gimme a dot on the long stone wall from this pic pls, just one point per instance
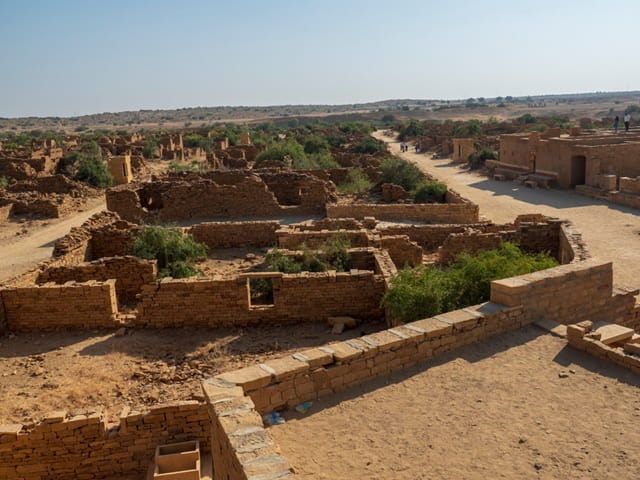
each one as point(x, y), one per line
point(59, 307)
point(426, 213)
point(236, 234)
point(305, 297)
point(84, 447)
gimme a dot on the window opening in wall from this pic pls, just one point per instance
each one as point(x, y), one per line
point(260, 292)
point(124, 170)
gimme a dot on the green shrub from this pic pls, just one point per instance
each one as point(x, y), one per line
point(480, 155)
point(91, 169)
point(632, 109)
point(472, 128)
point(316, 144)
point(279, 151)
point(323, 160)
point(430, 191)
point(4, 181)
point(194, 140)
point(331, 255)
point(527, 118)
point(176, 253)
point(357, 183)
point(369, 145)
point(150, 148)
point(423, 292)
point(401, 172)
point(412, 130)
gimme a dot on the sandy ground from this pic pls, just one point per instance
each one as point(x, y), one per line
point(24, 242)
point(611, 232)
point(40, 373)
point(497, 409)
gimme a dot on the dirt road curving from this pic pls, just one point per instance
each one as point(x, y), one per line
point(612, 232)
point(22, 245)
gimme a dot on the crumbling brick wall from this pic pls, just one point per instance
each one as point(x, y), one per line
point(293, 239)
point(130, 273)
point(87, 305)
point(305, 297)
point(236, 234)
point(84, 447)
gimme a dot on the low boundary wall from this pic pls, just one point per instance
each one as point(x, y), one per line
point(426, 213)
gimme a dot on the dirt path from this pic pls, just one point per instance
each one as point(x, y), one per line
point(22, 245)
point(497, 409)
point(611, 232)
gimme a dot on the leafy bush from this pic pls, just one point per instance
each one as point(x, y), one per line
point(316, 145)
point(423, 292)
point(403, 173)
point(369, 145)
point(414, 129)
point(331, 255)
point(279, 151)
point(91, 169)
point(472, 128)
point(357, 183)
point(176, 253)
point(480, 155)
point(322, 160)
point(526, 118)
point(430, 192)
point(356, 127)
point(150, 148)
point(198, 141)
point(632, 109)
point(4, 181)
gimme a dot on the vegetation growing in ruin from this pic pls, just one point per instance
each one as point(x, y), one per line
point(175, 252)
point(289, 149)
point(91, 169)
point(412, 130)
point(423, 292)
point(193, 166)
point(472, 128)
point(403, 173)
point(195, 140)
point(357, 183)
point(4, 181)
point(369, 145)
point(331, 255)
point(480, 155)
point(430, 191)
point(150, 148)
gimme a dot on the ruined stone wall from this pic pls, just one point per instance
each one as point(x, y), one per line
point(318, 372)
point(306, 191)
point(402, 250)
point(568, 294)
point(630, 185)
point(236, 234)
point(48, 307)
point(427, 213)
point(305, 297)
point(130, 273)
point(627, 357)
point(84, 447)
point(292, 239)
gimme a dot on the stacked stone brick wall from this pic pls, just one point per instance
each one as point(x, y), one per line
point(630, 185)
point(402, 250)
point(330, 224)
point(471, 242)
point(236, 234)
point(130, 273)
point(292, 239)
point(426, 213)
point(305, 297)
point(48, 307)
point(308, 375)
point(627, 356)
point(114, 240)
point(429, 237)
point(84, 447)
point(568, 293)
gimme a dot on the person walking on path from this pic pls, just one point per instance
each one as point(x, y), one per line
point(616, 122)
point(627, 121)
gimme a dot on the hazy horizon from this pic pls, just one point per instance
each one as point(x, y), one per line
point(73, 58)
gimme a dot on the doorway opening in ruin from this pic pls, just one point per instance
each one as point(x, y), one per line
point(150, 200)
point(578, 170)
point(260, 292)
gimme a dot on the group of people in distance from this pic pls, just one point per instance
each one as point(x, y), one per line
point(627, 122)
point(404, 147)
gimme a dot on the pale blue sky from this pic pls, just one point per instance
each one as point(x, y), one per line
point(71, 57)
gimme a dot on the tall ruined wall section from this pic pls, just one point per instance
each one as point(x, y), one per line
point(306, 297)
point(426, 213)
point(130, 273)
point(84, 447)
point(236, 234)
